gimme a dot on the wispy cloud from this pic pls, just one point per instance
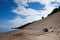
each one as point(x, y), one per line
point(32, 15)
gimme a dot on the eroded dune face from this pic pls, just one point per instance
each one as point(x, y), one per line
point(35, 31)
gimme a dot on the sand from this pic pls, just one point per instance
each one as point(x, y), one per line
point(35, 31)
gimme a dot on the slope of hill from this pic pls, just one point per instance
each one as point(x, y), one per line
point(51, 21)
point(35, 31)
point(53, 12)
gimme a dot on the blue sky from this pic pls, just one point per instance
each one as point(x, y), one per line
point(35, 6)
point(6, 8)
point(15, 13)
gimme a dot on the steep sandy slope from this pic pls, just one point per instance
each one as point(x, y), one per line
point(34, 30)
point(51, 21)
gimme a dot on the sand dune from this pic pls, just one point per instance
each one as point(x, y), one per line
point(35, 31)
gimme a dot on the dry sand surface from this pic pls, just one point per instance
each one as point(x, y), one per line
point(30, 35)
point(35, 31)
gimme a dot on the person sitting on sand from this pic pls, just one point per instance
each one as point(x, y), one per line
point(51, 29)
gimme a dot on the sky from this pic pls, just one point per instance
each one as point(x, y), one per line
point(15, 13)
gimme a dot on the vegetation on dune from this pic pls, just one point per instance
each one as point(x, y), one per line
point(54, 11)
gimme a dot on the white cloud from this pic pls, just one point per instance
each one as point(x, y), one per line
point(18, 21)
point(32, 15)
point(58, 0)
point(22, 10)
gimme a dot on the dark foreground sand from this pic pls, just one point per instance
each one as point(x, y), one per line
point(30, 35)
